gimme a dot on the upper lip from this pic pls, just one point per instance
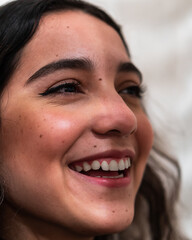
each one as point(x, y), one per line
point(113, 154)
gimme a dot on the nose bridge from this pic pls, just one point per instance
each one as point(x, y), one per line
point(114, 114)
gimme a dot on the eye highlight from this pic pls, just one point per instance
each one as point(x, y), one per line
point(134, 91)
point(65, 88)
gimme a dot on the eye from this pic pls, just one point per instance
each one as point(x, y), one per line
point(135, 91)
point(65, 88)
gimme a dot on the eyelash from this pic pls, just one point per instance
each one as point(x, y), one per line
point(135, 91)
point(74, 87)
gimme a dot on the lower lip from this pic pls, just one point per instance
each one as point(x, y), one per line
point(106, 182)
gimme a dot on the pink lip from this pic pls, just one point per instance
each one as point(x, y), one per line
point(114, 154)
point(105, 182)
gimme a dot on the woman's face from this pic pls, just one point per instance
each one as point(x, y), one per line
point(73, 103)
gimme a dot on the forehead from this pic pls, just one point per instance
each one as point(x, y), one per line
point(69, 20)
point(73, 32)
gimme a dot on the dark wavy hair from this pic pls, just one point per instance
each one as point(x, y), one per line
point(155, 201)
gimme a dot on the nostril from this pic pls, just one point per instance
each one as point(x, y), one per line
point(109, 133)
point(114, 131)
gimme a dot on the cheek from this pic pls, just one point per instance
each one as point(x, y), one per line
point(144, 136)
point(33, 146)
point(39, 133)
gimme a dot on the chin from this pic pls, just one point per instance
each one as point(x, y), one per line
point(111, 223)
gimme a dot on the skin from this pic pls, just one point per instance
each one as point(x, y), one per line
point(42, 135)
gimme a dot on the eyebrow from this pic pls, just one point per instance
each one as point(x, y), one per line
point(76, 63)
point(130, 67)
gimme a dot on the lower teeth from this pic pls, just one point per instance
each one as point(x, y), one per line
point(119, 176)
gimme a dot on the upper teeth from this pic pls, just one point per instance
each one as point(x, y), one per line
point(112, 165)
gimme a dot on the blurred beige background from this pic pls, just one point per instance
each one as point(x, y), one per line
point(159, 33)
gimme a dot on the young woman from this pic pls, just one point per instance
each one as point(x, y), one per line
point(75, 139)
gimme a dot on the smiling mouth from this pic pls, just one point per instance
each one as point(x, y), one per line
point(107, 168)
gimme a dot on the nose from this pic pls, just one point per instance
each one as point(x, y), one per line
point(113, 116)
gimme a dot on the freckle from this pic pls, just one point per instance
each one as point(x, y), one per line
point(56, 55)
point(95, 146)
point(22, 131)
point(67, 26)
point(100, 79)
point(126, 210)
point(40, 135)
point(63, 141)
point(19, 117)
point(113, 211)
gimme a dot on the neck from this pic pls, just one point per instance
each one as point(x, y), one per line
point(16, 225)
